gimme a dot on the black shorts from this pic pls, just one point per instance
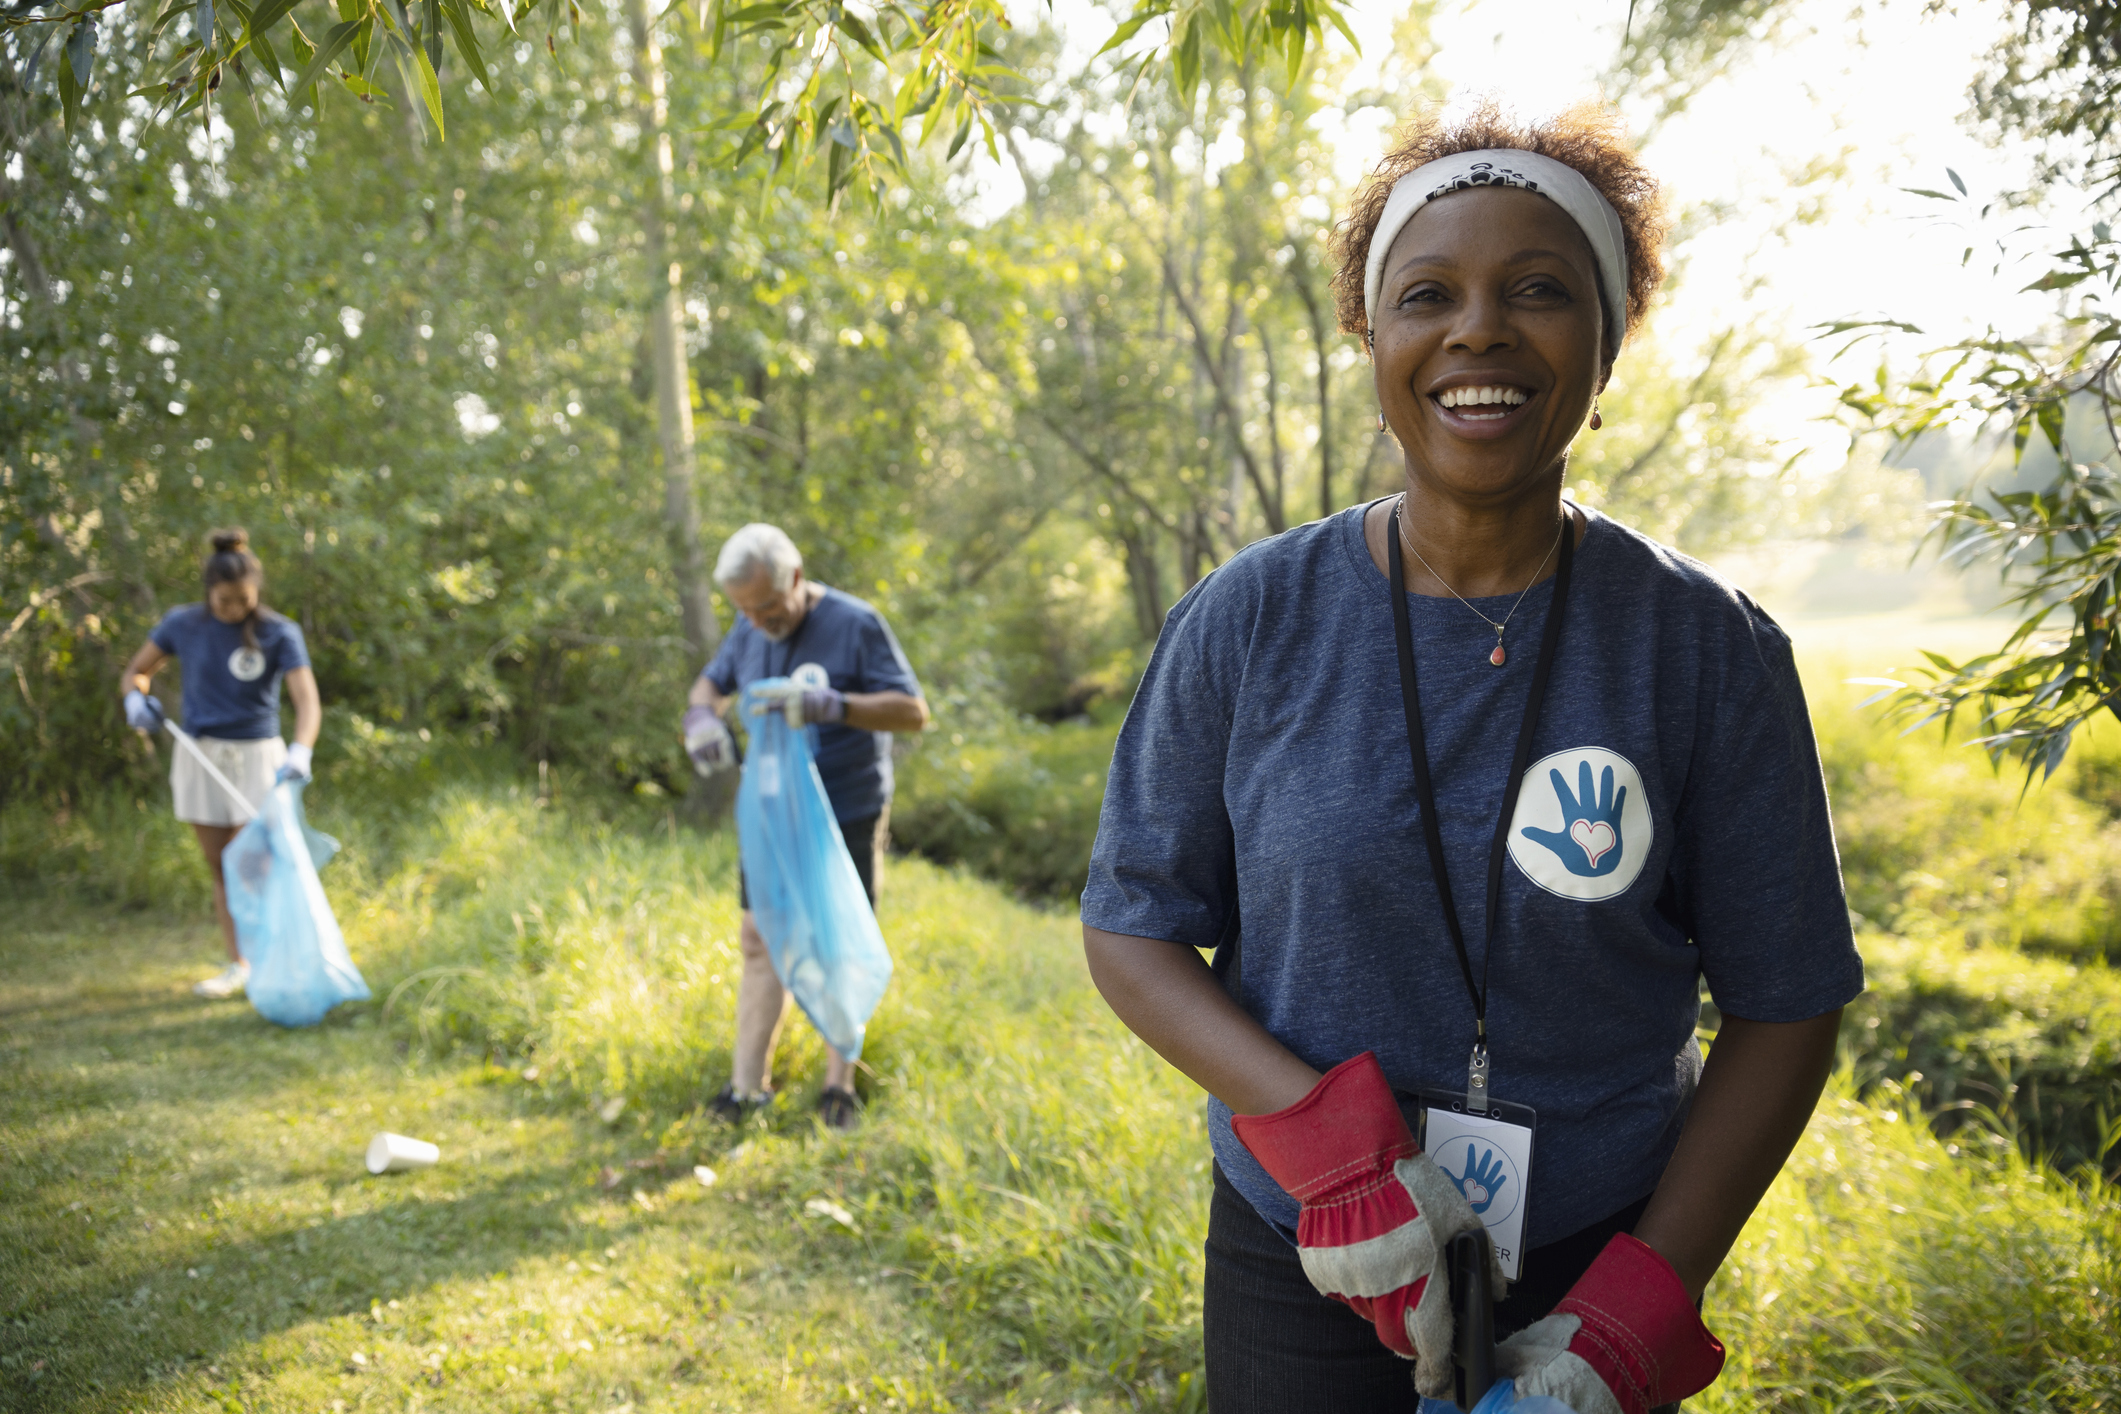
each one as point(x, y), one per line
point(866, 842)
point(1275, 1346)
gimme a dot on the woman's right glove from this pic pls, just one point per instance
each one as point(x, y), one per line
point(142, 713)
point(1626, 1338)
point(1377, 1214)
point(708, 742)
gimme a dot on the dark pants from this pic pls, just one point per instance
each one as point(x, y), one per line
point(866, 842)
point(1275, 1346)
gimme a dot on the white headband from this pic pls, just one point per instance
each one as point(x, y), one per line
point(1506, 167)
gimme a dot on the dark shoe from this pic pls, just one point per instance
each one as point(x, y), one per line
point(840, 1109)
point(730, 1106)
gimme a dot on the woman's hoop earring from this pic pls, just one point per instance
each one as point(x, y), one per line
point(1380, 419)
point(1596, 421)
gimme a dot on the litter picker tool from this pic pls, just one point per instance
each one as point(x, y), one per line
point(1472, 1318)
point(213, 772)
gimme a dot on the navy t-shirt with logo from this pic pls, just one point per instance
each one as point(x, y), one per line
point(1673, 826)
point(851, 642)
point(231, 691)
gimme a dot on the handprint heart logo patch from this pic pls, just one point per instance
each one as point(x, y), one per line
point(1595, 839)
point(1582, 827)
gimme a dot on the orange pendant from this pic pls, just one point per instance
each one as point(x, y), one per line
point(1498, 657)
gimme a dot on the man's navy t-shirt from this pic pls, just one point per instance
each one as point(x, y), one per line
point(1673, 825)
point(231, 691)
point(853, 644)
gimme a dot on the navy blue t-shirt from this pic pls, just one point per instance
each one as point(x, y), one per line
point(231, 691)
point(1673, 826)
point(852, 643)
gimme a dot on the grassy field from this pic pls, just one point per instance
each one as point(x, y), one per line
point(185, 1223)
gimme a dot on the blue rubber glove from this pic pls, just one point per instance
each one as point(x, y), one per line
point(708, 742)
point(804, 706)
point(296, 766)
point(143, 713)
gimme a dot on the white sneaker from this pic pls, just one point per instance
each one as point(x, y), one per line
point(225, 983)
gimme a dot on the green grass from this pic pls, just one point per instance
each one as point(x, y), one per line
point(185, 1224)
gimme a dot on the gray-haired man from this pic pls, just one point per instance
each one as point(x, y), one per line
point(788, 621)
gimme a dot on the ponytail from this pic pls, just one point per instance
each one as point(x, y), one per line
point(233, 563)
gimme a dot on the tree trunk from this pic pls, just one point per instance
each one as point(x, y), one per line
point(1144, 580)
point(666, 337)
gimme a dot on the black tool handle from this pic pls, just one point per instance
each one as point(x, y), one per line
point(1472, 1317)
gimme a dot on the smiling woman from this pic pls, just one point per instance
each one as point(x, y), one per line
point(1338, 742)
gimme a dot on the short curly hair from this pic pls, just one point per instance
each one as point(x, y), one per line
point(1589, 138)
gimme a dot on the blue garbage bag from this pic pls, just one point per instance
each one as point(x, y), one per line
point(1501, 1398)
point(299, 966)
point(805, 896)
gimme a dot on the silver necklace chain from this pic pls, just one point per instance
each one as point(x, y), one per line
point(1498, 627)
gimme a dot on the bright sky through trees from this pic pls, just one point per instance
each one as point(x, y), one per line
point(1882, 97)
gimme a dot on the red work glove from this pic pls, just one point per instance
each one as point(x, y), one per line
point(1626, 1339)
point(1377, 1214)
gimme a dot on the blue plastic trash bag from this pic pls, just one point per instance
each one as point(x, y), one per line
point(1501, 1398)
point(299, 966)
point(806, 897)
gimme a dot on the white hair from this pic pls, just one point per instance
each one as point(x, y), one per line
point(758, 546)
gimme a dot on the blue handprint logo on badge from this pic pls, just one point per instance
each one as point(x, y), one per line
point(1485, 1176)
point(1582, 827)
point(1482, 1179)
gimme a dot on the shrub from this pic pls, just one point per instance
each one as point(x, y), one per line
point(2034, 1042)
point(1018, 802)
point(1890, 1269)
point(1939, 847)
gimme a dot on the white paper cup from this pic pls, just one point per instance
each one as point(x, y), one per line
point(394, 1153)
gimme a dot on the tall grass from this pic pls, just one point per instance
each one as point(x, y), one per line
point(1034, 1181)
point(1889, 1269)
point(1940, 847)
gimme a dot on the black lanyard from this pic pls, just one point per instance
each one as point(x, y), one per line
point(794, 641)
point(1432, 830)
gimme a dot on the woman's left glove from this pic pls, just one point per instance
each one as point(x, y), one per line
point(296, 766)
point(1377, 1213)
point(1626, 1339)
point(143, 713)
point(803, 705)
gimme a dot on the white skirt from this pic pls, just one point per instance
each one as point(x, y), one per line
point(249, 766)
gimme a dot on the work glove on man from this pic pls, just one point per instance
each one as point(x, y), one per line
point(1626, 1339)
point(296, 766)
point(708, 742)
point(1377, 1213)
point(803, 705)
point(143, 713)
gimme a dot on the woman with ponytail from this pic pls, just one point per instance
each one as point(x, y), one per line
point(235, 653)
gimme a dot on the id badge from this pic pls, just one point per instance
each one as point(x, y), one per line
point(1489, 1157)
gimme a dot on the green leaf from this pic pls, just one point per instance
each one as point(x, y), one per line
point(964, 130)
point(431, 39)
point(335, 41)
point(2050, 415)
point(853, 25)
point(69, 97)
point(268, 14)
point(304, 52)
point(430, 85)
point(203, 20)
point(1130, 27)
point(2058, 280)
point(81, 52)
point(1955, 180)
point(1185, 63)
point(467, 40)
